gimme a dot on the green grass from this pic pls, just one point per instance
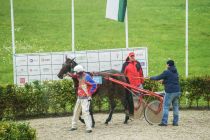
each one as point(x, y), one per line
point(45, 26)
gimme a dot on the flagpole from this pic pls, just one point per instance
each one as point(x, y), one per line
point(126, 27)
point(72, 24)
point(186, 38)
point(186, 46)
point(13, 40)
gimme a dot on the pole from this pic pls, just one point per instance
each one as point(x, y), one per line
point(186, 45)
point(186, 38)
point(72, 24)
point(13, 39)
point(126, 28)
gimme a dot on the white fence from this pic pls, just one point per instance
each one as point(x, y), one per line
point(45, 66)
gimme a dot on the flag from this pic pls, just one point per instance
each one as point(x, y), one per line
point(115, 9)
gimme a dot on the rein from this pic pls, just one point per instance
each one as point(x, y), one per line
point(107, 74)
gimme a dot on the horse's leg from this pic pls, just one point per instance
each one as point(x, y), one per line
point(81, 120)
point(126, 107)
point(129, 98)
point(113, 105)
point(126, 118)
point(127, 101)
point(91, 114)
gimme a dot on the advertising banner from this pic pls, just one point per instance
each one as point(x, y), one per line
point(46, 66)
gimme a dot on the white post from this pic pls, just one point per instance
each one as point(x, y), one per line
point(126, 28)
point(186, 38)
point(186, 45)
point(72, 24)
point(13, 40)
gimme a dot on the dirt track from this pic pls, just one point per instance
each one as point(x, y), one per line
point(194, 125)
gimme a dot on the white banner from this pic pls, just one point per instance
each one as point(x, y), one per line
point(57, 59)
point(116, 55)
point(33, 60)
point(33, 70)
point(46, 69)
point(21, 70)
point(33, 78)
point(21, 80)
point(21, 60)
point(105, 56)
point(45, 59)
point(46, 66)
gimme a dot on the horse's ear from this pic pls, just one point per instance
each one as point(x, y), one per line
point(66, 57)
point(73, 59)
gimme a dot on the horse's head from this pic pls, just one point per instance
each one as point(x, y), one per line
point(68, 66)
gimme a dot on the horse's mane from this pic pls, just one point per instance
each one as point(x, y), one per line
point(111, 71)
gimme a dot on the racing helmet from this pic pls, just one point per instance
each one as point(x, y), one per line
point(79, 69)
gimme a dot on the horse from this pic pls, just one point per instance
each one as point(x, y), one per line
point(106, 89)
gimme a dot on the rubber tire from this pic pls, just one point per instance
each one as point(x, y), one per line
point(150, 115)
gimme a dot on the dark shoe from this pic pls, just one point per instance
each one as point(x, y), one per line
point(88, 131)
point(162, 124)
point(131, 116)
point(175, 124)
point(72, 129)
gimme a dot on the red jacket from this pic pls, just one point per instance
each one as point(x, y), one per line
point(134, 72)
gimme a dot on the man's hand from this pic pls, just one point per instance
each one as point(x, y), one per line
point(147, 78)
point(89, 98)
point(160, 81)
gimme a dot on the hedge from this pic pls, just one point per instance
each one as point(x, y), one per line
point(16, 131)
point(58, 97)
point(196, 89)
point(36, 99)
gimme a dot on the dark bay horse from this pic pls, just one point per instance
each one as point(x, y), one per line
point(106, 89)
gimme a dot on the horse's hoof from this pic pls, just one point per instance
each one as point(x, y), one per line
point(82, 121)
point(106, 123)
point(131, 119)
point(125, 122)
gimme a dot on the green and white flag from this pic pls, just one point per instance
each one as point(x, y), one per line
point(115, 9)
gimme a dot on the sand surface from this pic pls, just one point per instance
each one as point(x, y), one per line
point(193, 125)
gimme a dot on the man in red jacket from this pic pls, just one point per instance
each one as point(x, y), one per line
point(133, 70)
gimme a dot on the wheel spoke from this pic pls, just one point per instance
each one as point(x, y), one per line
point(153, 112)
